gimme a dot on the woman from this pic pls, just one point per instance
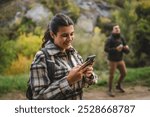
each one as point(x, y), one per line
point(68, 79)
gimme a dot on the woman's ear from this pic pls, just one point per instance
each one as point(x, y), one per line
point(52, 34)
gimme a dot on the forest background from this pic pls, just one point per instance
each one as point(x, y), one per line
point(23, 22)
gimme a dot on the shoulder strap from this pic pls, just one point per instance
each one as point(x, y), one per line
point(50, 65)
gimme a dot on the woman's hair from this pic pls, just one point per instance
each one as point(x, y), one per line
point(57, 21)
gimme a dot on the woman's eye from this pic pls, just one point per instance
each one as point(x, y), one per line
point(71, 34)
point(67, 35)
point(64, 35)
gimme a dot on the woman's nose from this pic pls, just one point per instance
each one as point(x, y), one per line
point(70, 37)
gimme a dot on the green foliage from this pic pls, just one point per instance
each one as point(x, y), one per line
point(134, 20)
point(19, 66)
point(8, 10)
point(73, 9)
point(142, 37)
point(142, 47)
point(126, 17)
point(53, 5)
point(67, 6)
point(10, 50)
point(142, 9)
point(7, 53)
point(87, 44)
point(104, 24)
point(26, 26)
point(138, 76)
point(11, 83)
point(135, 76)
point(17, 55)
point(132, 16)
point(102, 77)
point(28, 44)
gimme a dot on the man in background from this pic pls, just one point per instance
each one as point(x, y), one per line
point(115, 47)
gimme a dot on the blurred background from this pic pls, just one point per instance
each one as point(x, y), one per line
point(23, 22)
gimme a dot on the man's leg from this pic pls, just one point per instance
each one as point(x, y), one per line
point(112, 68)
point(122, 69)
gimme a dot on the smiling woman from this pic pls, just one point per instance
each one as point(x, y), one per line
point(68, 78)
point(64, 37)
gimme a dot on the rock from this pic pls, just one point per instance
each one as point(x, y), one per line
point(38, 13)
point(88, 16)
point(103, 9)
point(85, 23)
point(18, 18)
point(90, 12)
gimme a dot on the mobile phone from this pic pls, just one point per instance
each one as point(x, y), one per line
point(90, 59)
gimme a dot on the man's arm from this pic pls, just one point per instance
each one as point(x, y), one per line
point(125, 46)
point(107, 47)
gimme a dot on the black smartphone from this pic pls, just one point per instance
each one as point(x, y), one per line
point(90, 59)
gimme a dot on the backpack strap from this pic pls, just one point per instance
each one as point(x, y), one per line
point(50, 65)
point(50, 71)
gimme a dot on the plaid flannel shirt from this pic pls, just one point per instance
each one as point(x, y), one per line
point(59, 88)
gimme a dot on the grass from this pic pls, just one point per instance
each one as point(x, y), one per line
point(11, 83)
point(135, 76)
point(138, 76)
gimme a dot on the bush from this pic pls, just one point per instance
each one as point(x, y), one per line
point(87, 44)
point(12, 83)
point(19, 66)
point(28, 44)
point(26, 47)
point(7, 53)
point(68, 7)
point(73, 9)
point(134, 21)
point(142, 39)
point(138, 76)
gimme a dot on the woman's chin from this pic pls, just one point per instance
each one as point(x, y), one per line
point(67, 46)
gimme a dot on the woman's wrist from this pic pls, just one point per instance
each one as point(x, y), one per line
point(69, 80)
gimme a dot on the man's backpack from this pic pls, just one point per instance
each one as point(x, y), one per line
point(50, 70)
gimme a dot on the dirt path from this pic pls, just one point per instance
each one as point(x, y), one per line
point(132, 93)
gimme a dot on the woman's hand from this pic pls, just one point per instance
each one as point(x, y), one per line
point(76, 73)
point(89, 71)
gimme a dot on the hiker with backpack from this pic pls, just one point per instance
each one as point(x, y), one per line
point(56, 72)
point(115, 47)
